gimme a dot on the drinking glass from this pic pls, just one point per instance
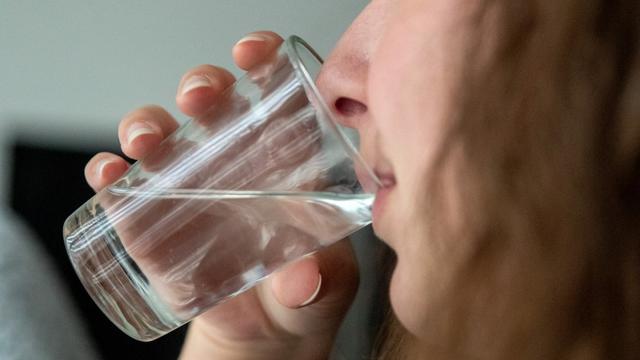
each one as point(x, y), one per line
point(264, 177)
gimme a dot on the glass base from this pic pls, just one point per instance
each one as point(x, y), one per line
point(115, 282)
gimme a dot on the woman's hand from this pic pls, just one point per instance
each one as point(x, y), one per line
point(293, 314)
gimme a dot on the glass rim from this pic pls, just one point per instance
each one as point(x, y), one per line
point(292, 44)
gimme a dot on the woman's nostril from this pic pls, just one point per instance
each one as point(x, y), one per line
point(350, 107)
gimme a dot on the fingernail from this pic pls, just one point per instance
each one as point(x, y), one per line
point(315, 293)
point(138, 129)
point(101, 166)
point(253, 37)
point(194, 82)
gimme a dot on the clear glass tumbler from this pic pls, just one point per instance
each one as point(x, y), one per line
point(265, 177)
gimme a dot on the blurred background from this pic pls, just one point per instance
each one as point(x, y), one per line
point(69, 70)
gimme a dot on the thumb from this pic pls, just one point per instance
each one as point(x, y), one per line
point(298, 284)
point(312, 295)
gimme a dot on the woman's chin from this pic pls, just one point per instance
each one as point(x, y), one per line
point(379, 231)
point(404, 302)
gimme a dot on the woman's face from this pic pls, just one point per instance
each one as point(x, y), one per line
point(392, 76)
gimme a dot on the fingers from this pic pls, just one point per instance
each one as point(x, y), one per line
point(254, 47)
point(103, 169)
point(141, 130)
point(200, 87)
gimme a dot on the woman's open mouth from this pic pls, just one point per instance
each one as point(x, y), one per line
point(388, 183)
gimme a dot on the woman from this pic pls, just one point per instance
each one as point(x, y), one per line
point(508, 139)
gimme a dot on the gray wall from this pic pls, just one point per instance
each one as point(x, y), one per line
point(69, 69)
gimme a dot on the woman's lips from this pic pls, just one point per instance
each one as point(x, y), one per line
point(388, 183)
point(369, 184)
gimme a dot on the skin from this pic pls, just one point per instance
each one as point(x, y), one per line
point(391, 76)
point(410, 101)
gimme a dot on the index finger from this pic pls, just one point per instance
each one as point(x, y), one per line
point(254, 47)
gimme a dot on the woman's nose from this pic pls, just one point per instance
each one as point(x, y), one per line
point(343, 78)
point(349, 107)
point(343, 83)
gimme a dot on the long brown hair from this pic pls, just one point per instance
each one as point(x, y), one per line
point(548, 130)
